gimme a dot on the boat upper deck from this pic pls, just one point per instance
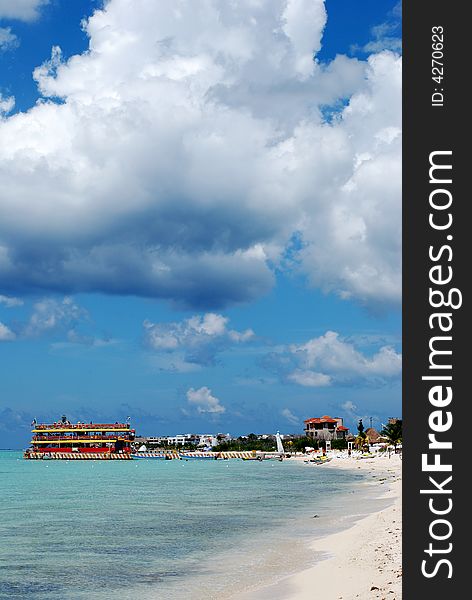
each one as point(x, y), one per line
point(123, 428)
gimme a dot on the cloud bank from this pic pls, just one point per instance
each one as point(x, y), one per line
point(179, 155)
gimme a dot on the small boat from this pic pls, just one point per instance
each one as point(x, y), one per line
point(320, 460)
point(151, 455)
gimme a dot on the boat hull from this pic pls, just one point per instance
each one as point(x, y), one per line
point(77, 456)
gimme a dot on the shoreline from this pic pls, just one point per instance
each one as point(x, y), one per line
point(361, 561)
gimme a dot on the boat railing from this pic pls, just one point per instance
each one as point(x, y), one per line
point(82, 426)
point(72, 438)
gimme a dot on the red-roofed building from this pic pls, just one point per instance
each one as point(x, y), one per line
point(326, 428)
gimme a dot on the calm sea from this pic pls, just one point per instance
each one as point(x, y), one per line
point(163, 529)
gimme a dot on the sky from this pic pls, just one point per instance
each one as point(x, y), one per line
point(200, 213)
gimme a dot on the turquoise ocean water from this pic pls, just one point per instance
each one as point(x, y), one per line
point(163, 529)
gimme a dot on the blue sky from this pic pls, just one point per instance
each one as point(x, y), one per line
point(200, 225)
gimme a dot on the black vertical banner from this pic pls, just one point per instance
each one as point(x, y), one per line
point(436, 324)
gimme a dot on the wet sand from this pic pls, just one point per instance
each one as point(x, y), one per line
point(363, 561)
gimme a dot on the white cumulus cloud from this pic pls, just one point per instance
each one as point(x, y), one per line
point(10, 302)
point(204, 400)
point(309, 378)
point(8, 40)
point(50, 315)
point(6, 334)
point(179, 155)
point(23, 10)
point(330, 359)
point(7, 104)
point(331, 353)
point(197, 340)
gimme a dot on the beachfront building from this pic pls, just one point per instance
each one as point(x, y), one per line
point(207, 440)
point(325, 428)
point(182, 439)
point(167, 440)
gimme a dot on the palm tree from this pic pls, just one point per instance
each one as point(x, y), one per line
point(393, 432)
point(361, 438)
point(360, 442)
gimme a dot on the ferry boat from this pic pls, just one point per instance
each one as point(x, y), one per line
point(72, 441)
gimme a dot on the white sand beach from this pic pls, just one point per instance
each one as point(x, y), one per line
point(363, 561)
